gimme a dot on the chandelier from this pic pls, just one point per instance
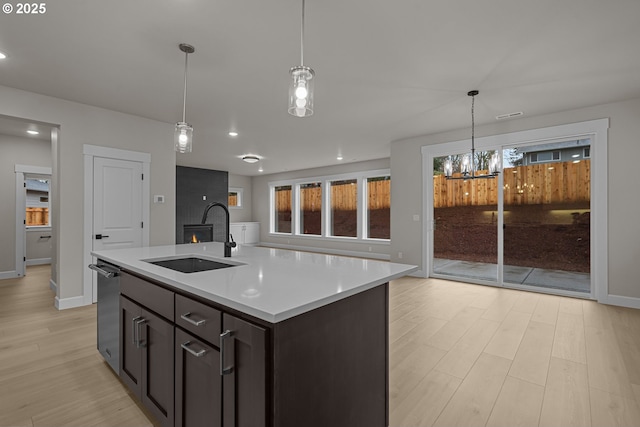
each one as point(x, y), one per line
point(467, 164)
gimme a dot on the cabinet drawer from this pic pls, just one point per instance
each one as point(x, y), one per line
point(200, 319)
point(145, 293)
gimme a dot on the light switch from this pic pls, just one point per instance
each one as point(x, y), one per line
point(158, 198)
point(204, 197)
point(416, 217)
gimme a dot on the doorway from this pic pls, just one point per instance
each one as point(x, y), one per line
point(116, 205)
point(532, 227)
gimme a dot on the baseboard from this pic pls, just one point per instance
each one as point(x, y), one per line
point(419, 274)
point(38, 261)
point(630, 302)
point(8, 274)
point(370, 255)
point(73, 302)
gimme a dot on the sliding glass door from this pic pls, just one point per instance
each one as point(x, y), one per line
point(527, 228)
point(465, 219)
point(547, 195)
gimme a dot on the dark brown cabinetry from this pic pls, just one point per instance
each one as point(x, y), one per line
point(244, 363)
point(147, 359)
point(198, 392)
point(194, 362)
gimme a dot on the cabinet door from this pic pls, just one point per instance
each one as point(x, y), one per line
point(130, 352)
point(244, 387)
point(198, 383)
point(156, 336)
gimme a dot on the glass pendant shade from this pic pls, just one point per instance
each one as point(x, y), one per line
point(448, 167)
point(183, 137)
point(301, 91)
point(494, 164)
point(465, 165)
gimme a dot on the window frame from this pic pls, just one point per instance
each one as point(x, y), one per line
point(39, 178)
point(326, 180)
point(239, 197)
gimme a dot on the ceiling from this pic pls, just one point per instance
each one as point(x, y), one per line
point(385, 70)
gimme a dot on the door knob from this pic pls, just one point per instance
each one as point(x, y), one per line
point(100, 236)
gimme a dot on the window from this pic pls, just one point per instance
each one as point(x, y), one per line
point(354, 206)
point(37, 209)
point(379, 207)
point(344, 208)
point(282, 209)
point(310, 196)
point(545, 156)
point(235, 198)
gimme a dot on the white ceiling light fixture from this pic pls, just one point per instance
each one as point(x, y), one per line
point(251, 159)
point(301, 84)
point(183, 139)
point(233, 133)
point(3, 55)
point(467, 165)
point(33, 132)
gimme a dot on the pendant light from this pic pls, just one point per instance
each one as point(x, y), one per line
point(301, 84)
point(183, 139)
point(467, 164)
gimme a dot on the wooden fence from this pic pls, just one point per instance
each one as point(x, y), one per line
point(37, 216)
point(343, 196)
point(547, 183)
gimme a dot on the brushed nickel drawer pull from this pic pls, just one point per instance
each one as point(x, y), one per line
point(186, 317)
point(223, 336)
point(186, 347)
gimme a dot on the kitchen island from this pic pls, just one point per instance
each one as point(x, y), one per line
point(274, 338)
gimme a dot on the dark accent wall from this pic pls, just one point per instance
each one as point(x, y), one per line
point(194, 184)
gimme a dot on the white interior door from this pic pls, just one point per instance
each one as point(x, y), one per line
point(117, 205)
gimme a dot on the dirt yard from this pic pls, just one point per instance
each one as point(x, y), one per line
point(553, 237)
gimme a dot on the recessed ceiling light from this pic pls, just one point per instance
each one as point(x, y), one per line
point(575, 156)
point(339, 157)
point(33, 132)
point(250, 159)
point(233, 133)
point(3, 55)
point(260, 170)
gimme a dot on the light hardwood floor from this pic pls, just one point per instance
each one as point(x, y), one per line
point(470, 355)
point(461, 355)
point(50, 371)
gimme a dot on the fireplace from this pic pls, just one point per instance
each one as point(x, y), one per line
point(196, 233)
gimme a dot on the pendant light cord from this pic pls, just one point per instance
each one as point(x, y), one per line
point(473, 127)
point(184, 105)
point(302, 37)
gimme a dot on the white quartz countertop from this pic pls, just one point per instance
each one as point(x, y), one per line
point(270, 284)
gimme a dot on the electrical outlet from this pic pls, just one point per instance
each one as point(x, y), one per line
point(416, 217)
point(369, 248)
point(400, 255)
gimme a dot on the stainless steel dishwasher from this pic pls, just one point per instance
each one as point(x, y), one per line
point(108, 312)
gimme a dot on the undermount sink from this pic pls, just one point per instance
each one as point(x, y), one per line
point(190, 264)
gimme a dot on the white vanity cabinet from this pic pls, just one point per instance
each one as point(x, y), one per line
point(245, 233)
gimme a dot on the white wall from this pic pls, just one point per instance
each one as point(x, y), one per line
point(243, 214)
point(15, 150)
point(82, 124)
point(261, 210)
point(623, 206)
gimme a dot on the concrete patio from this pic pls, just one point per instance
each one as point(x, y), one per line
point(555, 279)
